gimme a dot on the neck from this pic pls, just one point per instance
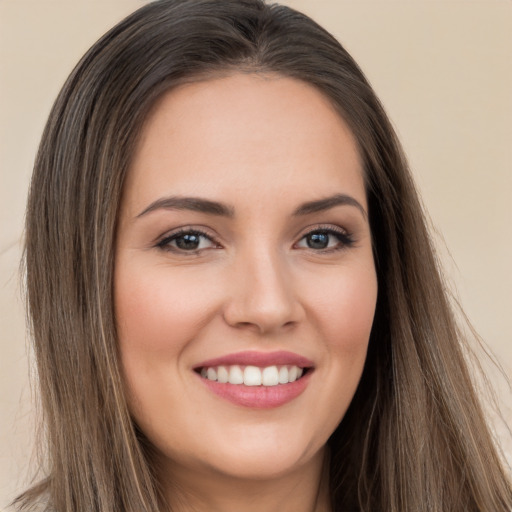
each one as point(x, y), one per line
point(303, 490)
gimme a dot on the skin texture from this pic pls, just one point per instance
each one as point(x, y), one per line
point(263, 145)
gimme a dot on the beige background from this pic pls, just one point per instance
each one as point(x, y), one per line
point(443, 71)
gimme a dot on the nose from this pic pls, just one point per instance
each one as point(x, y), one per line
point(263, 296)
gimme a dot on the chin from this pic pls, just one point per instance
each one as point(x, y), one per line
point(261, 455)
point(265, 463)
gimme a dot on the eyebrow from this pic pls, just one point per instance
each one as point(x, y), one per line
point(329, 202)
point(195, 204)
point(198, 204)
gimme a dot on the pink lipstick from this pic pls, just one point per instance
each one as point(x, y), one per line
point(257, 379)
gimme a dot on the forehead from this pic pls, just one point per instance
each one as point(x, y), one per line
point(244, 132)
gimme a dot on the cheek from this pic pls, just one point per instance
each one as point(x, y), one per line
point(344, 317)
point(159, 313)
point(345, 311)
point(342, 309)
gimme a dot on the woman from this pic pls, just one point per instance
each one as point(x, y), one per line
point(234, 300)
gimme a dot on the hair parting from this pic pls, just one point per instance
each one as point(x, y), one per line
point(414, 438)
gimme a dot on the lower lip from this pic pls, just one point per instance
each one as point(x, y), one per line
point(259, 397)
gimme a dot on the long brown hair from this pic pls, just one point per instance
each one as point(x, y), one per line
point(414, 437)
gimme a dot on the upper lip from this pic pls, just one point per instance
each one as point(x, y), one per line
point(255, 358)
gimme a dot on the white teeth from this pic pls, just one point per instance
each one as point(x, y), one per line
point(270, 376)
point(236, 375)
point(283, 375)
point(253, 375)
point(222, 374)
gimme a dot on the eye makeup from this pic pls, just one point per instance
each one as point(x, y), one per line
point(321, 239)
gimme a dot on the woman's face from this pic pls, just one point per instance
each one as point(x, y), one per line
point(243, 260)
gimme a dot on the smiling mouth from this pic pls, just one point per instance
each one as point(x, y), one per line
point(253, 375)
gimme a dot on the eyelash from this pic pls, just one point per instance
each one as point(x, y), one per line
point(164, 244)
point(345, 239)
